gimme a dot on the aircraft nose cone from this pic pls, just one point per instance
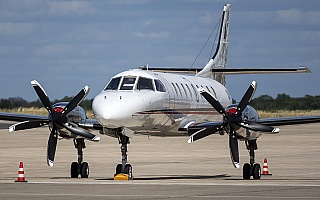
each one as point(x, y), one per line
point(111, 109)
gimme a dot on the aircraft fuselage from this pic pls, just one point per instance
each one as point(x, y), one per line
point(155, 103)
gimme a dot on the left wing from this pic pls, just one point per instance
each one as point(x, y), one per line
point(25, 121)
point(16, 117)
point(290, 120)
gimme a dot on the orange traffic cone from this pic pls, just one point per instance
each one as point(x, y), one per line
point(265, 168)
point(21, 174)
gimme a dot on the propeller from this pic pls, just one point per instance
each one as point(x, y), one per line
point(232, 121)
point(57, 120)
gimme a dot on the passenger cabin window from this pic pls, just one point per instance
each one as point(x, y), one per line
point(159, 86)
point(113, 84)
point(145, 84)
point(128, 83)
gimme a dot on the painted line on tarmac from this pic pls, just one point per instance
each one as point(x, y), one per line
point(184, 184)
point(151, 196)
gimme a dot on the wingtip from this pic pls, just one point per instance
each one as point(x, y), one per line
point(190, 140)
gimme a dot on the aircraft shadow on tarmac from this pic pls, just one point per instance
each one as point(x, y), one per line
point(173, 177)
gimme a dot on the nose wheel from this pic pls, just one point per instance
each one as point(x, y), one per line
point(79, 168)
point(251, 169)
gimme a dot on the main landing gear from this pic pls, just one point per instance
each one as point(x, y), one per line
point(251, 169)
point(79, 167)
point(123, 170)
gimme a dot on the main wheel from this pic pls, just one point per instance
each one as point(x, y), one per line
point(84, 170)
point(74, 170)
point(256, 172)
point(246, 171)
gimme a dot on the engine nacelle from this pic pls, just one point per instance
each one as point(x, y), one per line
point(77, 115)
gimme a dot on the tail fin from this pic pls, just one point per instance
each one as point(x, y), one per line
point(219, 59)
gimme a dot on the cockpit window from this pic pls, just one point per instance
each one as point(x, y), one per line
point(145, 84)
point(159, 86)
point(128, 83)
point(113, 84)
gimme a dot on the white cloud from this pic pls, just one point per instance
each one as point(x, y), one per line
point(287, 17)
point(153, 35)
point(54, 49)
point(159, 35)
point(70, 7)
point(12, 29)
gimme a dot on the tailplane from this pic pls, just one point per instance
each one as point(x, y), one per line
point(219, 59)
point(216, 67)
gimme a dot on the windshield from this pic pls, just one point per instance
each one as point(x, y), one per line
point(145, 84)
point(113, 84)
point(128, 83)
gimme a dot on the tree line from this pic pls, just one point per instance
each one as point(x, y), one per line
point(263, 102)
point(285, 102)
point(18, 102)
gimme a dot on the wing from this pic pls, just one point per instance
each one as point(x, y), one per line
point(16, 117)
point(290, 120)
point(25, 121)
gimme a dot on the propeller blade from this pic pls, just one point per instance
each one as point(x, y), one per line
point(81, 132)
point(204, 132)
point(52, 144)
point(75, 101)
point(234, 150)
point(42, 95)
point(246, 98)
point(212, 100)
point(259, 127)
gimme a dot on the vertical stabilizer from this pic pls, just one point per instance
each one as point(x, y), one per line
point(219, 59)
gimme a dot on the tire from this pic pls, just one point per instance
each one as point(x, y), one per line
point(84, 170)
point(246, 171)
point(256, 171)
point(128, 170)
point(74, 170)
point(118, 168)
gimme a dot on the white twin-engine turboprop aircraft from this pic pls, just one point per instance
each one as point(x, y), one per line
point(150, 102)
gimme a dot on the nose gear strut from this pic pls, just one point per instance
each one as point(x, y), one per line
point(123, 170)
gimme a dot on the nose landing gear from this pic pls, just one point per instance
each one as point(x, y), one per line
point(123, 170)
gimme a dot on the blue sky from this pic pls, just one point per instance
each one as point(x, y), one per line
point(66, 45)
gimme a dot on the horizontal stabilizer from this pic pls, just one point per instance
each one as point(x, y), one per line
point(229, 71)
